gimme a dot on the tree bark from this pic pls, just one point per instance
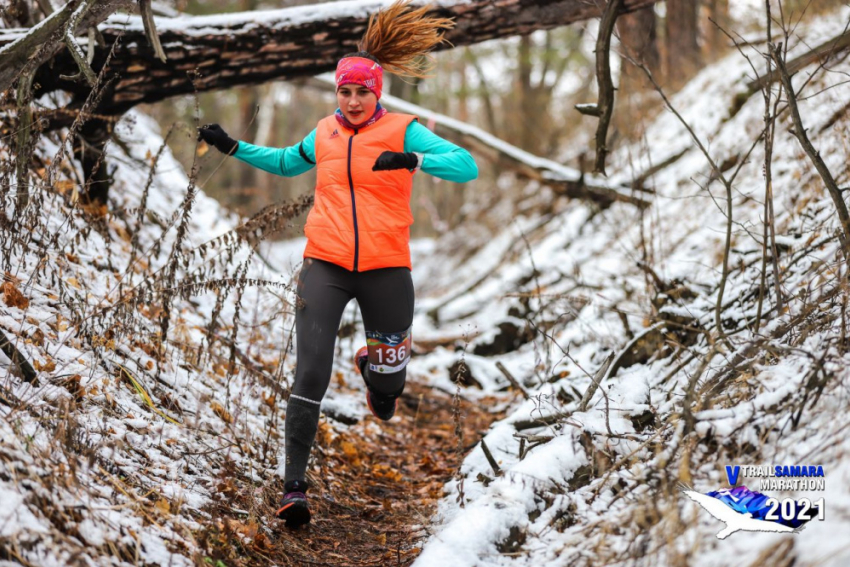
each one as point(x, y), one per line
point(528, 136)
point(88, 150)
point(716, 39)
point(251, 48)
point(639, 40)
point(683, 51)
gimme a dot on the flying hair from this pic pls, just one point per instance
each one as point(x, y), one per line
point(400, 38)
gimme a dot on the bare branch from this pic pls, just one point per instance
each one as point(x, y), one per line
point(74, 47)
point(18, 359)
point(597, 379)
point(24, 137)
point(799, 132)
point(150, 28)
point(605, 106)
point(46, 40)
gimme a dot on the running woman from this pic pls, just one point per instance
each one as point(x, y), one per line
point(358, 230)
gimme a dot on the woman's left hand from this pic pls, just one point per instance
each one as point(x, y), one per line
point(396, 160)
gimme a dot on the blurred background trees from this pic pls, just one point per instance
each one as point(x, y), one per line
point(520, 89)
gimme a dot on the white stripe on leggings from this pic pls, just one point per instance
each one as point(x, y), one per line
point(303, 399)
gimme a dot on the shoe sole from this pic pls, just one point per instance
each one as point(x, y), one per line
point(371, 409)
point(360, 361)
point(295, 513)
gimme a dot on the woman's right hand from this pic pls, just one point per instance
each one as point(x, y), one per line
point(215, 136)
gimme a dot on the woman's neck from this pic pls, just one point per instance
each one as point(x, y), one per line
point(379, 112)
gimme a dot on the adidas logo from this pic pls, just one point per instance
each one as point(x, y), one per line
point(334, 135)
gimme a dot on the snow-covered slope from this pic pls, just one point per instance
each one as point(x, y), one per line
point(118, 451)
point(601, 488)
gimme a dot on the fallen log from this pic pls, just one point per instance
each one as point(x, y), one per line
point(227, 50)
point(564, 180)
point(820, 53)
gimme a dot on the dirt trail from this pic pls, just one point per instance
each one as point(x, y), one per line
point(374, 493)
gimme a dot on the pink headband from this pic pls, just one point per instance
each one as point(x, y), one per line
point(360, 71)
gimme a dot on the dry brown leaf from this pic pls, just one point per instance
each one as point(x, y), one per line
point(64, 186)
point(74, 386)
point(349, 449)
point(95, 209)
point(269, 400)
point(37, 337)
point(13, 297)
point(325, 434)
point(351, 452)
point(163, 506)
point(222, 413)
point(73, 282)
point(386, 471)
point(261, 543)
point(48, 366)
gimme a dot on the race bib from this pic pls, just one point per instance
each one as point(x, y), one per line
point(388, 352)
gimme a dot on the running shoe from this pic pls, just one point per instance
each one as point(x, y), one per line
point(382, 407)
point(293, 507)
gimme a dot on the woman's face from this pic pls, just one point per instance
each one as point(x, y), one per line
point(356, 102)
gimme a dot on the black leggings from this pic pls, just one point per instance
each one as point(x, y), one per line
point(385, 297)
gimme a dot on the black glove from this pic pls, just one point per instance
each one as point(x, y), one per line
point(396, 160)
point(215, 136)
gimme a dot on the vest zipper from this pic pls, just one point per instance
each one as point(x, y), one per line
point(353, 205)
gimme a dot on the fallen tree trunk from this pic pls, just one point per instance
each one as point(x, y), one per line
point(228, 50)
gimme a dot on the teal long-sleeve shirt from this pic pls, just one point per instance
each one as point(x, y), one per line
point(440, 157)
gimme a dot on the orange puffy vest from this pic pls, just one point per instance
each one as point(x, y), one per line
point(360, 218)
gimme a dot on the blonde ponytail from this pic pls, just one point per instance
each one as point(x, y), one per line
point(401, 38)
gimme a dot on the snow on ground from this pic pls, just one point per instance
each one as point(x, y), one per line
point(117, 452)
point(602, 488)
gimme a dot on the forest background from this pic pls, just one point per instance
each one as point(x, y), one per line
point(522, 90)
